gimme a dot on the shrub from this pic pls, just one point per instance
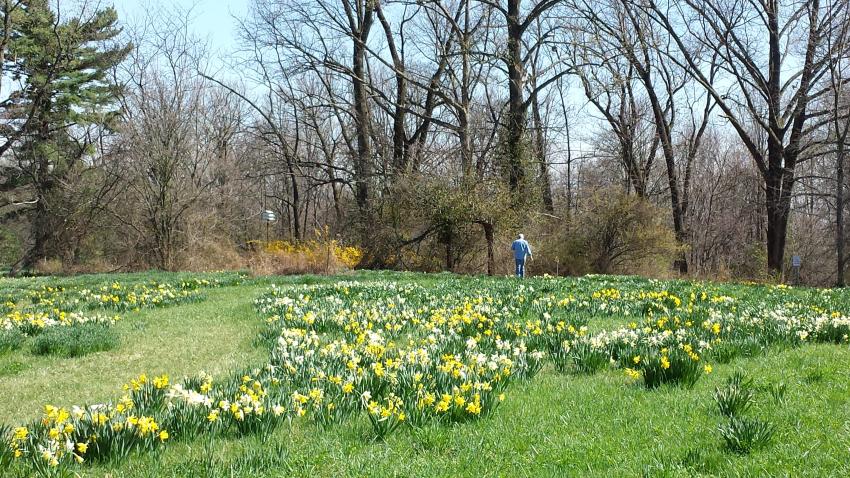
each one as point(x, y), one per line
point(320, 256)
point(50, 267)
point(10, 340)
point(743, 435)
point(211, 254)
point(617, 232)
point(75, 341)
point(751, 262)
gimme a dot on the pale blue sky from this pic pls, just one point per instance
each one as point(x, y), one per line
point(213, 19)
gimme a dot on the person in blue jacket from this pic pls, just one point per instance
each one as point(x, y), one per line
point(522, 250)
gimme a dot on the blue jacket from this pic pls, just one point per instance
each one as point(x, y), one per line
point(521, 249)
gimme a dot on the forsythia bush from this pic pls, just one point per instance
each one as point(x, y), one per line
point(315, 256)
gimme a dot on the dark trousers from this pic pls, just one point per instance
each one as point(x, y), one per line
point(520, 267)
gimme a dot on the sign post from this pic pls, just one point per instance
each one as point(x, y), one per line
point(268, 217)
point(796, 262)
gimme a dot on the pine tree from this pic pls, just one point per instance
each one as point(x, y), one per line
point(63, 67)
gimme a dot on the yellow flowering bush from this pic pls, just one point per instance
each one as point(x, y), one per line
point(320, 255)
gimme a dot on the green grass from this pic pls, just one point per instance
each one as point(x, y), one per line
point(554, 425)
point(215, 335)
point(75, 341)
point(562, 425)
point(10, 340)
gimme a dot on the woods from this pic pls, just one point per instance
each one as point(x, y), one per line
point(706, 138)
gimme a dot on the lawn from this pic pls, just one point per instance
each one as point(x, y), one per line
point(560, 425)
point(589, 407)
point(214, 335)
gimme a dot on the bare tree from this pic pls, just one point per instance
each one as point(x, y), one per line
point(172, 133)
point(774, 55)
point(839, 129)
point(623, 39)
point(522, 44)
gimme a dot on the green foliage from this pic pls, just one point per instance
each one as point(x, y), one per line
point(213, 335)
point(743, 435)
point(7, 455)
point(11, 367)
point(75, 341)
point(10, 340)
point(678, 367)
point(77, 88)
point(814, 376)
point(741, 346)
point(615, 231)
point(735, 397)
point(777, 392)
point(10, 247)
point(64, 63)
point(582, 358)
point(257, 461)
point(551, 405)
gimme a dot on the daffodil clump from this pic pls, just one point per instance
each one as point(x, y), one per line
point(33, 322)
point(675, 334)
point(65, 438)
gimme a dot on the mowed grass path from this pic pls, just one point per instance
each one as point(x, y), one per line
point(215, 336)
point(562, 425)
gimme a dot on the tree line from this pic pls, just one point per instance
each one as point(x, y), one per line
point(702, 137)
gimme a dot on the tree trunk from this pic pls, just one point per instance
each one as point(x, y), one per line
point(399, 133)
point(40, 234)
point(464, 135)
point(361, 116)
point(517, 108)
point(489, 236)
point(662, 128)
point(839, 215)
point(778, 205)
point(41, 230)
point(400, 154)
point(540, 147)
point(569, 149)
point(296, 201)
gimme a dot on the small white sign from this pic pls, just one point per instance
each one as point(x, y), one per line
point(796, 261)
point(269, 216)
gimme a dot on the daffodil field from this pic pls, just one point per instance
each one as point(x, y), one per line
point(32, 309)
point(76, 320)
point(396, 354)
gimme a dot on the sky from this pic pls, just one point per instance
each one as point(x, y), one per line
point(212, 19)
